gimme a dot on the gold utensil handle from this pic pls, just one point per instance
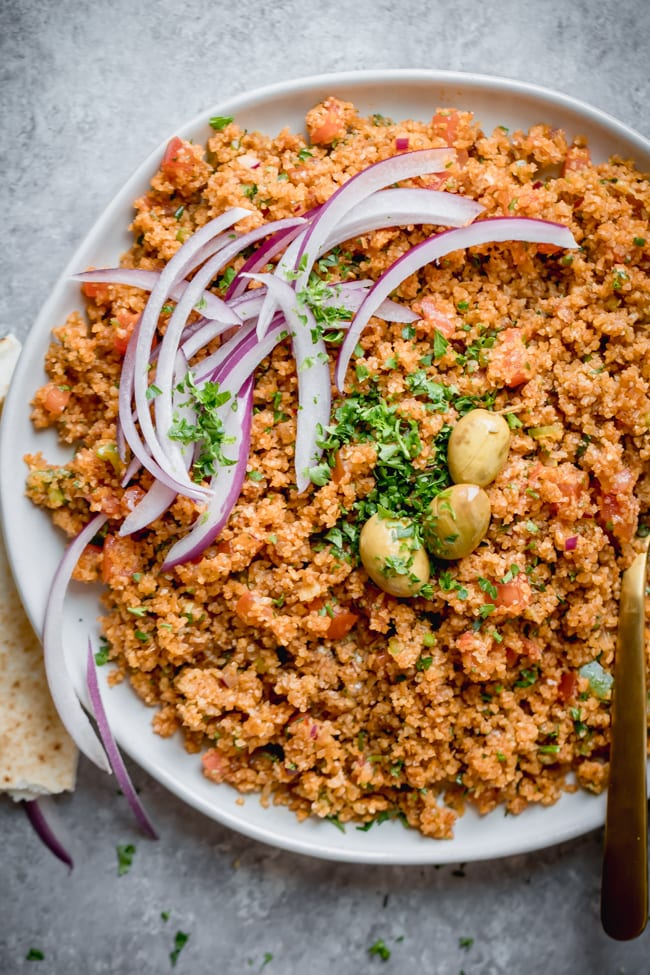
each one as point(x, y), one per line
point(624, 890)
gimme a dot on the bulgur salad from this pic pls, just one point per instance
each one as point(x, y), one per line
point(378, 578)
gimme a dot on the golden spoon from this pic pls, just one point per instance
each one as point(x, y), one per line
point(624, 889)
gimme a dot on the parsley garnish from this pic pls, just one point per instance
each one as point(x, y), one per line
point(207, 431)
point(125, 856)
point(219, 122)
point(379, 948)
point(101, 655)
point(180, 940)
point(34, 954)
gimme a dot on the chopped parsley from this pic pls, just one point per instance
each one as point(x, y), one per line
point(102, 655)
point(379, 949)
point(208, 430)
point(527, 677)
point(125, 856)
point(34, 954)
point(219, 122)
point(465, 943)
point(180, 940)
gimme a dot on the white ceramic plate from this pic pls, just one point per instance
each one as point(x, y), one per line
point(35, 548)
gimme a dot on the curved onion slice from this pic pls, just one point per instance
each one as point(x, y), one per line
point(402, 206)
point(211, 306)
point(375, 177)
point(43, 819)
point(181, 263)
point(113, 752)
point(493, 230)
point(226, 484)
point(163, 405)
point(312, 367)
point(265, 253)
point(58, 676)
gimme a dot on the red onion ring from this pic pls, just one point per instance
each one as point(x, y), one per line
point(226, 484)
point(56, 669)
point(492, 230)
point(40, 813)
point(113, 752)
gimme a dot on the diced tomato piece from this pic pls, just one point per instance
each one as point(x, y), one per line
point(252, 609)
point(433, 316)
point(327, 123)
point(619, 509)
point(178, 161)
point(509, 359)
point(338, 471)
point(96, 290)
point(445, 125)
point(567, 686)
point(215, 765)
point(132, 497)
point(513, 596)
point(548, 249)
point(341, 624)
point(119, 560)
point(53, 399)
point(577, 158)
point(125, 323)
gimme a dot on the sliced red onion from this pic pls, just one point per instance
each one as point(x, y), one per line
point(375, 177)
point(154, 504)
point(249, 160)
point(56, 668)
point(275, 244)
point(312, 367)
point(226, 484)
point(113, 752)
point(493, 230)
point(385, 208)
point(44, 821)
point(142, 340)
point(349, 295)
point(401, 206)
point(211, 306)
point(163, 405)
point(131, 434)
point(571, 543)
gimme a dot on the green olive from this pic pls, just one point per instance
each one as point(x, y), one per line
point(456, 521)
point(393, 556)
point(478, 447)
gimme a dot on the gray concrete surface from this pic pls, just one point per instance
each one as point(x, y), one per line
point(86, 91)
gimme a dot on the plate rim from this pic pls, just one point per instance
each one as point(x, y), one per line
point(430, 851)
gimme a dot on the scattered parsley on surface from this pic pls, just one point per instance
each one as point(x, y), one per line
point(125, 856)
point(34, 954)
point(180, 940)
point(380, 950)
point(465, 943)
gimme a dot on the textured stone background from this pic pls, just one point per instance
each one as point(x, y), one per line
point(86, 91)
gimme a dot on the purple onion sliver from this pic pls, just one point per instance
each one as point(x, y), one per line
point(59, 679)
point(358, 187)
point(275, 244)
point(42, 824)
point(113, 752)
point(227, 485)
point(314, 384)
point(211, 305)
point(492, 230)
point(174, 271)
point(571, 543)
